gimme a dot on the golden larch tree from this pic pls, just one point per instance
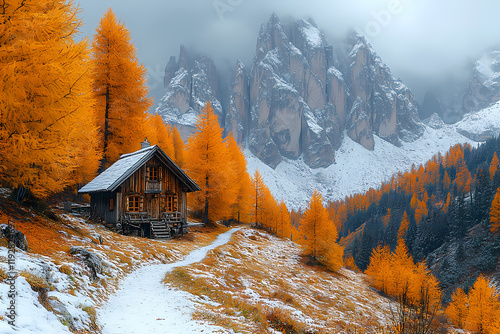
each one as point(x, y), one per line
point(285, 223)
point(48, 130)
point(424, 291)
point(379, 268)
point(405, 222)
point(414, 201)
point(463, 179)
point(402, 266)
point(320, 235)
point(495, 213)
point(446, 180)
point(311, 223)
point(119, 88)
point(458, 308)
point(158, 133)
point(269, 208)
point(484, 308)
point(494, 165)
point(420, 210)
point(242, 207)
point(179, 149)
point(258, 187)
point(210, 165)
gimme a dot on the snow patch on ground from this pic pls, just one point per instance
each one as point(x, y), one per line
point(356, 169)
point(32, 317)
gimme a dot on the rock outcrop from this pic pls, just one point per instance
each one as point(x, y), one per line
point(15, 236)
point(92, 260)
point(453, 98)
point(484, 87)
point(189, 84)
point(299, 97)
point(382, 105)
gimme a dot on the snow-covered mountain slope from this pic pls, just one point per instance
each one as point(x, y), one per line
point(481, 125)
point(356, 169)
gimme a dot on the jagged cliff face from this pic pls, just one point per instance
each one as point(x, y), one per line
point(299, 97)
point(189, 84)
point(484, 88)
point(452, 100)
point(381, 104)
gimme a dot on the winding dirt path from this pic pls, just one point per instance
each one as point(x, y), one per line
point(143, 304)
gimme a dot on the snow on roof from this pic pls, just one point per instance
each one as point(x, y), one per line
point(126, 165)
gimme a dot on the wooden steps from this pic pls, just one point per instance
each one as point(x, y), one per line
point(160, 230)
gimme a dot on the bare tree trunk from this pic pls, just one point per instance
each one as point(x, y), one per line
point(106, 133)
point(205, 213)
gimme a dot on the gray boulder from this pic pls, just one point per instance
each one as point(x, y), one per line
point(14, 236)
point(92, 260)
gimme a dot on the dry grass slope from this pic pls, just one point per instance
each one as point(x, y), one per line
point(259, 284)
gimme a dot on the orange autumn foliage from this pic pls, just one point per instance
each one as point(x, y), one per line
point(285, 224)
point(493, 166)
point(210, 165)
point(379, 268)
point(420, 210)
point(319, 235)
point(457, 310)
point(483, 308)
point(119, 88)
point(179, 150)
point(242, 207)
point(405, 222)
point(158, 133)
point(350, 264)
point(48, 129)
point(258, 198)
point(412, 285)
point(495, 213)
point(463, 179)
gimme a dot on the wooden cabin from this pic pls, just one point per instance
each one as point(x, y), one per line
point(142, 193)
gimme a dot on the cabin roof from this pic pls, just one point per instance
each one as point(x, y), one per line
point(128, 164)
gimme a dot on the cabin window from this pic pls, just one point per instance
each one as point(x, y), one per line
point(133, 203)
point(171, 203)
point(111, 204)
point(152, 173)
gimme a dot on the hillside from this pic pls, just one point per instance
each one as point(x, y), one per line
point(258, 282)
point(253, 283)
point(72, 266)
point(445, 210)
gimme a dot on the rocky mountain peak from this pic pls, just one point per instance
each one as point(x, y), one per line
point(189, 83)
point(457, 96)
point(299, 96)
point(484, 87)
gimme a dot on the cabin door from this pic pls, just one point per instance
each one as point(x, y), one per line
point(154, 206)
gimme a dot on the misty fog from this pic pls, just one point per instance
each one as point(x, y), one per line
point(422, 41)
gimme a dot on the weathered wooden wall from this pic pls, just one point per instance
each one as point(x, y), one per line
point(135, 185)
point(100, 204)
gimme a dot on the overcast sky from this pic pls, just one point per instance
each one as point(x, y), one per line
point(420, 40)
